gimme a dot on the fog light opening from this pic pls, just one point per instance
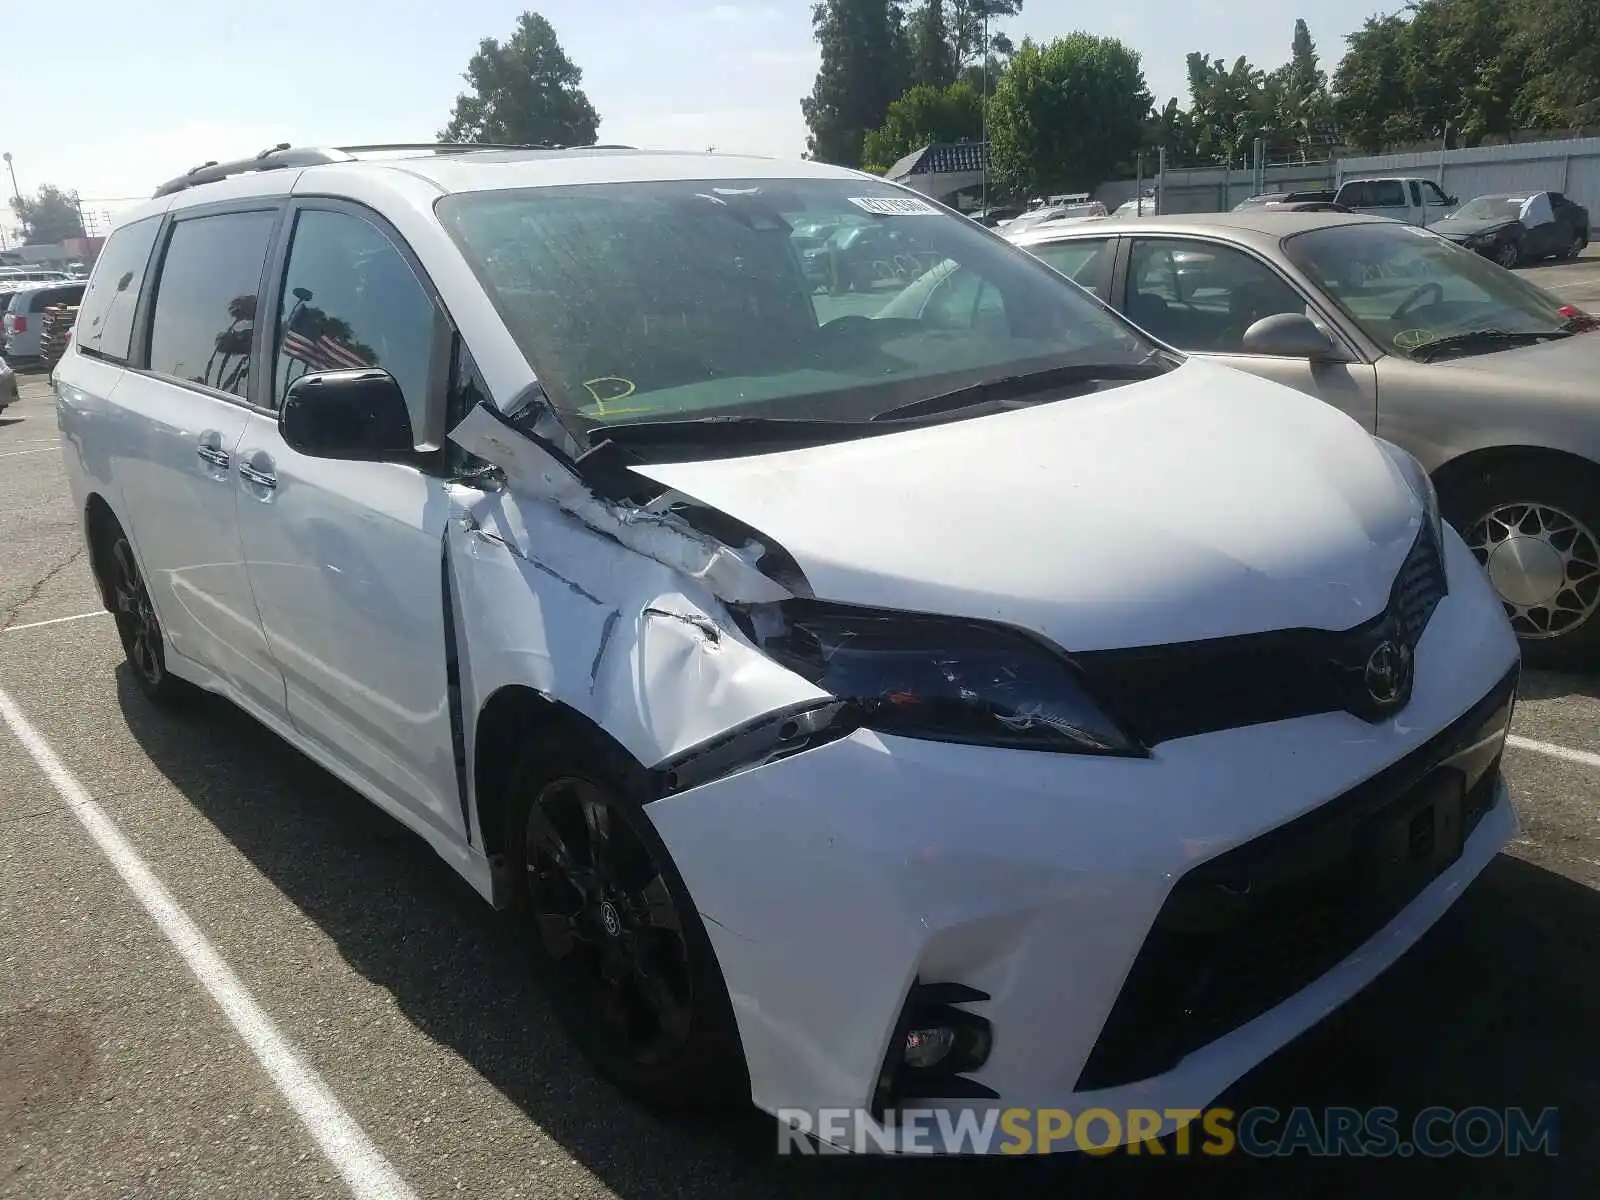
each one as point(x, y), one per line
point(935, 1045)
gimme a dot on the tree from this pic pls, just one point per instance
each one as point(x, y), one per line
point(1371, 95)
point(933, 54)
point(1066, 114)
point(524, 92)
point(1560, 40)
point(1228, 106)
point(866, 65)
point(48, 217)
point(923, 115)
point(1298, 94)
point(967, 21)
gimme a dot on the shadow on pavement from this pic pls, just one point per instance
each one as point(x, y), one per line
point(1557, 685)
point(1497, 1007)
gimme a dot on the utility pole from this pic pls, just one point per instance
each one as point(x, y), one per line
point(983, 117)
point(10, 166)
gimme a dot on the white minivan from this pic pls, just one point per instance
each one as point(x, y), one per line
point(934, 697)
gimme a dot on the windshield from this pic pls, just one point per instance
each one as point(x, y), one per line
point(825, 299)
point(1499, 208)
point(1406, 287)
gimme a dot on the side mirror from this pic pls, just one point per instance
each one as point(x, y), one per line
point(1287, 335)
point(355, 414)
point(1452, 201)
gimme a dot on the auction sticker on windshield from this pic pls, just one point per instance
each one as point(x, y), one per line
point(894, 206)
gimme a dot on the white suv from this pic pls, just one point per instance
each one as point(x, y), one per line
point(936, 695)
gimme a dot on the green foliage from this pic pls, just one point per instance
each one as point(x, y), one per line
point(933, 55)
point(524, 92)
point(924, 114)
point(48, 217)
point(1467, 70)
point(866, 65)
point(1064, 115)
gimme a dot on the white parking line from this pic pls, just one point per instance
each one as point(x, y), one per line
point(20, 453)
point(99, 612)
point(1565, 753)
point(366, 1172)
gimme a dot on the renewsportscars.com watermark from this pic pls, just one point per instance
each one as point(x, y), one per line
point(1213, 1132)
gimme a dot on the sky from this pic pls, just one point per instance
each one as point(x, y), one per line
point(121, 96)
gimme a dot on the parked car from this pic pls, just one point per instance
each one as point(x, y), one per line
point(8, 385)
point(1139, 206)
point(1313, 196)
point(1414, 201)
point(1488, 379)
point(1054, 214)
point(23, 275)
point(966, 703)
point(1520, 227)
point(22, 326)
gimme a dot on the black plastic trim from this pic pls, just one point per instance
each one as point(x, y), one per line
point(770, 738)
point(1242, 932)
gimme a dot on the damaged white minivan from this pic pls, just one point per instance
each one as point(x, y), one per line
point(878, 675)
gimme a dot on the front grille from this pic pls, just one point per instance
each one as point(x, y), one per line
point(1178, 690)
point(1243, 932)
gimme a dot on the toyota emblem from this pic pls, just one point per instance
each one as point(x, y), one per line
point(1388, 673)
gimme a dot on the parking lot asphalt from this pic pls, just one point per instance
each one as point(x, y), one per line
point(122, 1076)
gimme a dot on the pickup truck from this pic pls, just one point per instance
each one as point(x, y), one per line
point(1414, 201)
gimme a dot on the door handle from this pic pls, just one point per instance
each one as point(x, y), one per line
point(214, 456)
point(258, 477)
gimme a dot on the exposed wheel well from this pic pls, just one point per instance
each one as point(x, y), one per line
point(512, 716)
point(1458, 473)
point(99, 525)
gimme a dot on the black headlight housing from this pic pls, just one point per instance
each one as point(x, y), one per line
point(943, 679)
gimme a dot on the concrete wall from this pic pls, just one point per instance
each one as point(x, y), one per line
point(1571, 167)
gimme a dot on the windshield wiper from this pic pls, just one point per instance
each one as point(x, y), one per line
point(728, 427)
point(1014, 387)
point(1483, 340)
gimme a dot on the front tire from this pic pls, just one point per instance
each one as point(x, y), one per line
point(612, 931)
point(1537, 533)
point(138, 626)
point(1508, 253)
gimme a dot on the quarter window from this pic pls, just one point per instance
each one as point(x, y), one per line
point(1085, 261)
point(105, 318)
point(351, 300)
point(205, 308)
point(1202, 296)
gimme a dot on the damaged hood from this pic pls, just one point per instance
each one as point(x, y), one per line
point(1205, 503)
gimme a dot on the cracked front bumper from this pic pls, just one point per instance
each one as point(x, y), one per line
point(834, 880)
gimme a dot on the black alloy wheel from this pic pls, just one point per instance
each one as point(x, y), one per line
point(612, 931)
point(139, 628)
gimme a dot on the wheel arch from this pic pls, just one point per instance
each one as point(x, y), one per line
point(99, 524)
point(1451, 477)
point(504, 723)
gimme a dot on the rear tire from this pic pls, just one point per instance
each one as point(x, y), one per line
point(612, 931)
point(138, 626)
point(1580, 242)
point(1537, 533)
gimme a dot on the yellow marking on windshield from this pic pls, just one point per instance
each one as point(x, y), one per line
point(600, 402)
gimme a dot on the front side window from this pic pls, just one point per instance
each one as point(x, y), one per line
point(350, 299)
point(1407, 287)
point(1202, 296)
point(831, 299)
point(205, 307)
point(105, 317)
point(1432, 194)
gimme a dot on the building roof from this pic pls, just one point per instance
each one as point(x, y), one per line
point(941, 158)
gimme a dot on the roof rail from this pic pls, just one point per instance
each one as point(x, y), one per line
point(283, 155)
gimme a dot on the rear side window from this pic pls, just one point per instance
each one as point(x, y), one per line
point(205, 305)
point(105, 319)
point(49, 297)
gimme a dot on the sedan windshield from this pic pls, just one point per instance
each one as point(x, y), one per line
point(819, 300)
point(1407, 287)
point(1492, 208)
